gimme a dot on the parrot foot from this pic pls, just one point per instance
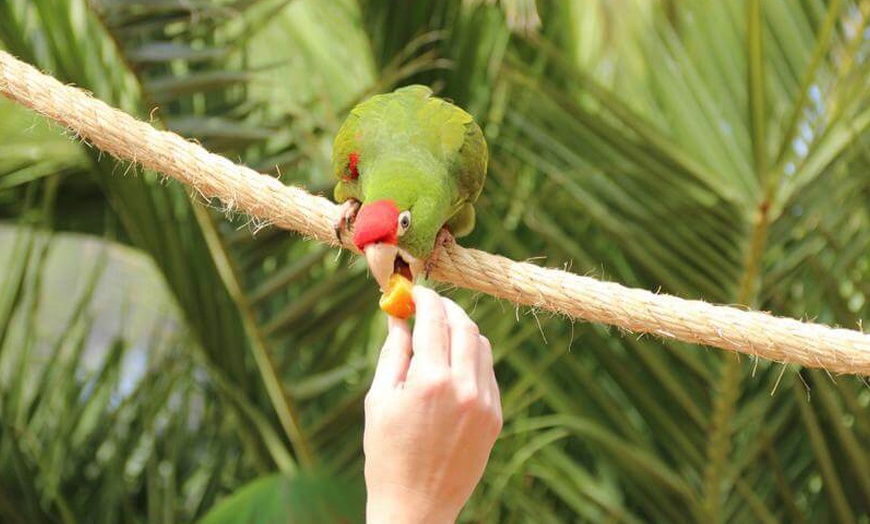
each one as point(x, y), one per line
point(347, 214)
point(444, 238)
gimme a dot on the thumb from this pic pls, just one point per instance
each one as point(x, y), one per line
point(395, 356)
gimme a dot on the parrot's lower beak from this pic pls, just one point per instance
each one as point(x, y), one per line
point(385, 259)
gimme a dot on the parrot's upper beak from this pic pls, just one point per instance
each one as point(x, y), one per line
point(380, 258)
point(385, 259)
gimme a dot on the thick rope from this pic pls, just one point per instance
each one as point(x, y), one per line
point(238, 187)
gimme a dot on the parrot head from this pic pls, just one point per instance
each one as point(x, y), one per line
point(397, 234)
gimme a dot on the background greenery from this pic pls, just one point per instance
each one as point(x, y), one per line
point(158, 355)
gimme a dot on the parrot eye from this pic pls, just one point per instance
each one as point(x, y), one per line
point(404, 222)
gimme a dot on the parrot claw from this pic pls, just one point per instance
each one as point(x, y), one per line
point(444, 237)
point(347, 214)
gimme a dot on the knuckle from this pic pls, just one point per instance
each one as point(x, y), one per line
point(470, 400)
point(470, 329)
point(498, 424)
point(494, 415)
point(436, 382)
point(494, 418)
point(486, 351)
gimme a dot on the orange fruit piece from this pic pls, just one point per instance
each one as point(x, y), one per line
point(398, 301)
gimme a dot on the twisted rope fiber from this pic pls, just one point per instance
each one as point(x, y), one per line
point(238, 187)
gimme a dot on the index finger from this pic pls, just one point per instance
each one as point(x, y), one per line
point(431, 339)
point(395, 356)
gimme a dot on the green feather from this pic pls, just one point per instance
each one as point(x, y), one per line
point(421, 152)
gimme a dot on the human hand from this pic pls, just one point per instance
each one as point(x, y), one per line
point(431, 417)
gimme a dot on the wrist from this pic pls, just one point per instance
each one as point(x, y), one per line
point(379, 514)
point(406, 508)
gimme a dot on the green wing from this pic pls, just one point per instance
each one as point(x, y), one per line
point(464, 150)
point(470, 167)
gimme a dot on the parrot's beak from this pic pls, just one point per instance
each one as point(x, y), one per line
point(385, 259)
point(381, 258)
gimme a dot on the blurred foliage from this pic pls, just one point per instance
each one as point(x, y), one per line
point(157, 354)
point(303, 498)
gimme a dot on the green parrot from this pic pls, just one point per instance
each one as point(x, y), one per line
point(410, 167)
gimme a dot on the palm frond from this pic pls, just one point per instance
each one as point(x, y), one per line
point(710, 149)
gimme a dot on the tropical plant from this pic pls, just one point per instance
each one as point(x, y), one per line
point(713, 150)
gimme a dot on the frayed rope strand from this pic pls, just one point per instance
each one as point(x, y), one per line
point(264, 197)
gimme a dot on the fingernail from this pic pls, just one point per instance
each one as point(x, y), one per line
point(420, 290)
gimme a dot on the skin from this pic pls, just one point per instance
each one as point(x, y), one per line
point(432, 416)
point(422, 154)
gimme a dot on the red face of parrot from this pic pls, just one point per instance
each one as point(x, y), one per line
point(376, 223)
point(376, 233)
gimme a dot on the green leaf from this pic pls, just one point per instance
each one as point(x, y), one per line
point(300, 498)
